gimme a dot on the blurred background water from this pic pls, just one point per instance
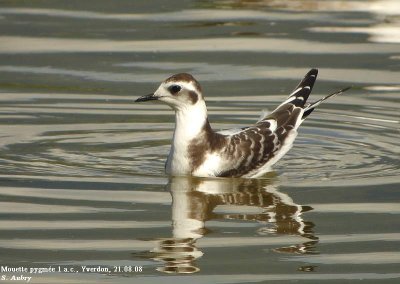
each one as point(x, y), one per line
point(82, 167)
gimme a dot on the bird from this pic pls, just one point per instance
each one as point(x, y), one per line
point(248, 152)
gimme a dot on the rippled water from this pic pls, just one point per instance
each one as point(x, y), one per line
point(82, 166)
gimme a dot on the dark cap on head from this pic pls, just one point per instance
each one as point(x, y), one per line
point(184, 77)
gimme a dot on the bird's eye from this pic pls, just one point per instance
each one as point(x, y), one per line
point(174, 89)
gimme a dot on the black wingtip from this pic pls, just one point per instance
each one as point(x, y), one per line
point(313, 71)
point(336, 93)
point(309, 79)
point(309, 109)
point(304, 88)
point(307, 113)
point(345, 89)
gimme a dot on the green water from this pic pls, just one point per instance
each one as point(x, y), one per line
point(82, 178)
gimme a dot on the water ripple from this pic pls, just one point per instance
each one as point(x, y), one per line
point(32, 45)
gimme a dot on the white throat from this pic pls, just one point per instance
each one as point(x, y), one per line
point(189, 123)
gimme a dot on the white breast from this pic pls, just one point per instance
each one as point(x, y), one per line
point(210, 167)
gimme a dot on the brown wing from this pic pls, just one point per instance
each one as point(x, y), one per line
point(253, 147)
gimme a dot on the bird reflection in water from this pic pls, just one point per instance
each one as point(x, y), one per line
point(196, 201)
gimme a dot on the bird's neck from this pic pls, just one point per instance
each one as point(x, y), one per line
point(191, 125)
point(190, 122)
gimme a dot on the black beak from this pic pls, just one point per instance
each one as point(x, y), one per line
point(150, 97)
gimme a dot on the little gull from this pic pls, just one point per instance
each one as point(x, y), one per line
point(198, 150)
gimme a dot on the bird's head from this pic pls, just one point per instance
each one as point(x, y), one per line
point(178, 91)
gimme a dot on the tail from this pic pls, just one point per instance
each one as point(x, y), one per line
point(309, 108)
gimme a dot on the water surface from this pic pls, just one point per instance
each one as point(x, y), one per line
point(82, 166)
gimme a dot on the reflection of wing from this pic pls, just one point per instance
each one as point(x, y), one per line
point(195, 201)
point(282, 214)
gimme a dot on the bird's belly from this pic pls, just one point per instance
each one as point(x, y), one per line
point(210, 167)
point(177, 164)
point(181, 165)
